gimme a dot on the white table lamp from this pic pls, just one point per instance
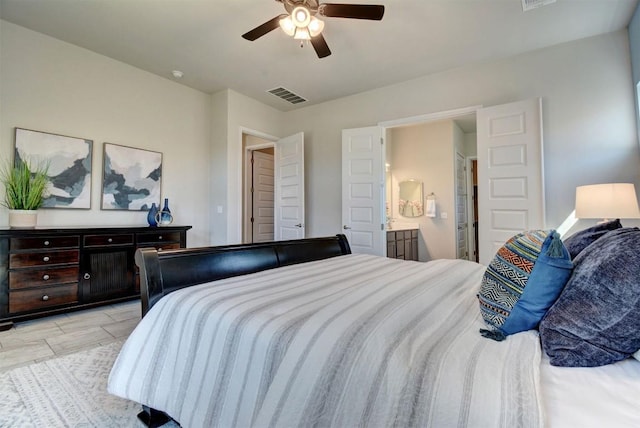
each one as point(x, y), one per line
point(607, 201)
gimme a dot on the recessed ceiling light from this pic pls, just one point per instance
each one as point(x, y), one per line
point(177, 74)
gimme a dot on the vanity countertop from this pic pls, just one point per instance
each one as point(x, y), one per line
point(403, 226)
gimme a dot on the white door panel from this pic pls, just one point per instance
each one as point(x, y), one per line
point(363, 189)
point(289, 189)
point(510, 173)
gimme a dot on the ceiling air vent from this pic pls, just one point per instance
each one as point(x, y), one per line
point(534, 4)
point(287, 95)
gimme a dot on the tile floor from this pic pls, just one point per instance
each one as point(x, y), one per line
point(49, 337)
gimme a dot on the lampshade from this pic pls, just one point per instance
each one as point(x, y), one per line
point(607, 201)
point(301, 16)
point(301, 24)
point(315, 26)
point(288, 26)
point(302, 34)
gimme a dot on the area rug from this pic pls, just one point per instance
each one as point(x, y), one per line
point(69, 391)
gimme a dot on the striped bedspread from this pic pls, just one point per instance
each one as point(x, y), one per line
point(352, 341)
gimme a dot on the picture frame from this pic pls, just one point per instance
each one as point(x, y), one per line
point(131, 178)
point(69, 162)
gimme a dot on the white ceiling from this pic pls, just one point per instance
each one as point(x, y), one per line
point(202, 38)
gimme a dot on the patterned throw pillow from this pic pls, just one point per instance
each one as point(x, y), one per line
point(522, 281)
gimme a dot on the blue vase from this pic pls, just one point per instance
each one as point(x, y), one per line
point(151, 215)
point(164, 217)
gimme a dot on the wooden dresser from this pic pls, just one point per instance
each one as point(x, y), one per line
point(45, 271)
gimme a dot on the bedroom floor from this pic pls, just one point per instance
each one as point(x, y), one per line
point(40, 339)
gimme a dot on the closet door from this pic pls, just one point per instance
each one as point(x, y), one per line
point(363, 189)
point(289, 188)
point(510, 173)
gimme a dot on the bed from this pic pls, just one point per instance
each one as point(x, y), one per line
point(304, 333)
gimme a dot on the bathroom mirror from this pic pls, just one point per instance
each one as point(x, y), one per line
point(411, 199)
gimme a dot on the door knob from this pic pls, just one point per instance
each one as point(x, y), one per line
point(345, 227)
point(299, 225)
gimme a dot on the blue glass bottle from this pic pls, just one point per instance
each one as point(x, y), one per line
point(151, 215)
point(165, 216)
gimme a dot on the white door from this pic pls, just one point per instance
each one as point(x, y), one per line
point(262, 197)
point(461, 208)
point(510, 180)
point(363, 189)
point(289, 188)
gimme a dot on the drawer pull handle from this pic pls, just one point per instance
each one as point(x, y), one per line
point(87, 276)
point(46, 242)
point(109, 240)
point(46, 258)
point(46, 277)
point(45, 298)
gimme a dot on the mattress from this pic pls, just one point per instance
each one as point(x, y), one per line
point(591, 397)
point(355, 340)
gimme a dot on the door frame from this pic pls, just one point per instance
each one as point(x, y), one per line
point(235, 202)
point(471, 233)
point(430, 117)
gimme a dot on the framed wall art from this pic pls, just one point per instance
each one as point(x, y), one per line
point(131, 178)
point(69, 166)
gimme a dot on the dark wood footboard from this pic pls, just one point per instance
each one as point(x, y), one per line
point(170, 270)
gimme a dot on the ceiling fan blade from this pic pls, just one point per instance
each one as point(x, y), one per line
point(263, 29)
point(355, 11)
point(320, 46)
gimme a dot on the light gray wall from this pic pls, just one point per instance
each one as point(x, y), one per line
point(634, 44)
point(48, 85)
point(588, 119)
point(52, 86)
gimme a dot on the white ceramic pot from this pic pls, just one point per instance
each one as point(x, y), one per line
point(23, 219)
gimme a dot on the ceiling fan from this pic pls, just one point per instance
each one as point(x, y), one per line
point(301, 20)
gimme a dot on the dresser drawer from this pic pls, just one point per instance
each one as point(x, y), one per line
point(158, 236)
point(42, 277)
point(36, 243)
point(44, 297)
point(44, 258)
point(162, 247)
point(106, 240)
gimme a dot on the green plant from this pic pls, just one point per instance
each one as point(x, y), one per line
point(25, 186)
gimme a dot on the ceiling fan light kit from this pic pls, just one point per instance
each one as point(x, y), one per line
point(301, 22)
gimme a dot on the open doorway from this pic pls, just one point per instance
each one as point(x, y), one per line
point(434, 149)
point(282, 200)
point(258, 189)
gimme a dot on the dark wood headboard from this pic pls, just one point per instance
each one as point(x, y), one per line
point(170, 270)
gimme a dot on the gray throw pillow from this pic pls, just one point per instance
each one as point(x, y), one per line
point(582, 239)
point(596, 319)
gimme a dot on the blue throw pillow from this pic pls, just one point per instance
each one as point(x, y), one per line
point(596, 319)
point(582, 239)
point(522, 281)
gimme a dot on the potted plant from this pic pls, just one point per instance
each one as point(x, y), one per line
point(25, 189)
